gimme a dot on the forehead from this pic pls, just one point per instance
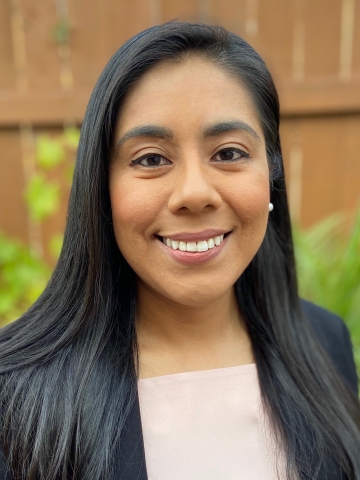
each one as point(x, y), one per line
point(191, 90)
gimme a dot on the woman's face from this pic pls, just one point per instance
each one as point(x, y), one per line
point(189, 181)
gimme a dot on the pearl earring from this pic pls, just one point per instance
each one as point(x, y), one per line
point(271, 207)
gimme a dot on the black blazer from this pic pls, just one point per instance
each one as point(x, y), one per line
point(333, 335)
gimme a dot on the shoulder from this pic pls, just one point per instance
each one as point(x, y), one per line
point(334, 336)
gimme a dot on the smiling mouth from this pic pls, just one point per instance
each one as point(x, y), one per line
point(194, 247)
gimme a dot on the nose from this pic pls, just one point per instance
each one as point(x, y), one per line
point(195, 189)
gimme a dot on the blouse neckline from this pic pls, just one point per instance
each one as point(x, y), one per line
point(195, 375)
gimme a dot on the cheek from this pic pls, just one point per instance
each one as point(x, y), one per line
point(251, 207)
point(250, 199)
point(133, 209)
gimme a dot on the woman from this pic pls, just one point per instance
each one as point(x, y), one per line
point(177, 269)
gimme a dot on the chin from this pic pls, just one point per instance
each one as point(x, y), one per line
point(197, 297)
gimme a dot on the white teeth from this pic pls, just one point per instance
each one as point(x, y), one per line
point(191, 247)
point(217, 240)
point(211, 243)
point(201, 246)
point(182, 246)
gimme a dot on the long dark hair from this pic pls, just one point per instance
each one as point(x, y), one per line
point(68, 366)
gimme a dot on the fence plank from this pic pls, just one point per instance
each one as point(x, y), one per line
point(356, 42)
point(230, 14)
point(88, 40)
point(7, 70)
point(331, 158)
point(127, 19)
point(182, 10)
point(48, 107)
point(275, 37)
point(42, 57)
point(322, 38)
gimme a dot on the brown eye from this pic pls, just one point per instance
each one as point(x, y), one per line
point(151, 161)
point(230, 155)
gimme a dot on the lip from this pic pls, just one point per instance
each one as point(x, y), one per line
point(194, 258)
point(196, 236)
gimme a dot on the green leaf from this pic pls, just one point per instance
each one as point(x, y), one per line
point(23, 276)
point(50, 152)
point(55, 245)
point(72, 137)
point(43, 197)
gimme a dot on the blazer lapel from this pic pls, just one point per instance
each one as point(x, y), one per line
point(130, 464)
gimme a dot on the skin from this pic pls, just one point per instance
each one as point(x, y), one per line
point(188, 317)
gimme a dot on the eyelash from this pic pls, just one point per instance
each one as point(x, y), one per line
point(138, 161)
point(236, 150)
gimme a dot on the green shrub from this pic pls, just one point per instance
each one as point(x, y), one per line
point(328, 265)
point(23, 277)
point(23, 272)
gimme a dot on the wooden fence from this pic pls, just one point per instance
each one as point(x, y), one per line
point(52, 52)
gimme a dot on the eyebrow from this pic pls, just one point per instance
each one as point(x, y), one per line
point(156, 131)
point(229, 126)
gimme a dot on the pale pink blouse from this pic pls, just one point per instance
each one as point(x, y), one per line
point(208, 425)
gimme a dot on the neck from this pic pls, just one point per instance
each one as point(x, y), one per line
point(174, 338)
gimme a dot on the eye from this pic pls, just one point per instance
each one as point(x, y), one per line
point(230, 155)
point(152, 160)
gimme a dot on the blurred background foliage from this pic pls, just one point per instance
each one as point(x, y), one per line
point(24, 272)
point(328, 267)
point(327, 254)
